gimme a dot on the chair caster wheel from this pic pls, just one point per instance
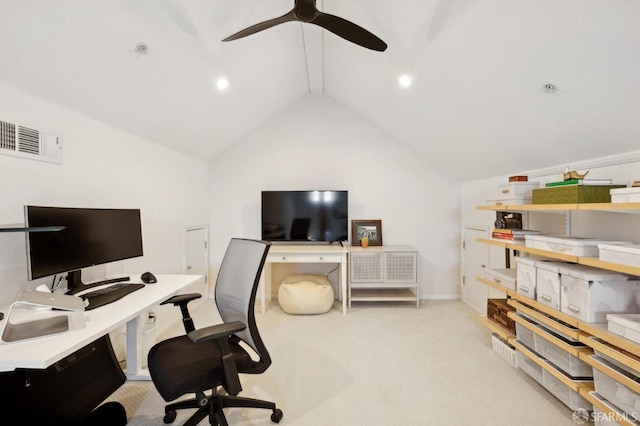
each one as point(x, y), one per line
point(276, 416)
point(169, 416)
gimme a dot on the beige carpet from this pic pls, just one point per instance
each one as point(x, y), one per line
point(380, 364)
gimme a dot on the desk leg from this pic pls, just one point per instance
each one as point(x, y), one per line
point(343, 284)
point(134, 350)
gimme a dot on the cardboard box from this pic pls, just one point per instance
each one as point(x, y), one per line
point(497, 310)
point(623, 254)
point(572, 194)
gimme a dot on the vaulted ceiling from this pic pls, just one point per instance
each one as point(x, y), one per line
point(477, 105)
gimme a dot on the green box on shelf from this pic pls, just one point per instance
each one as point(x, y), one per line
point(571, 194)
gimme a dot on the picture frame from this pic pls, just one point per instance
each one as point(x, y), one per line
point(370, 228)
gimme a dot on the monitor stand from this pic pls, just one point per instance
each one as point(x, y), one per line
point(75, 284)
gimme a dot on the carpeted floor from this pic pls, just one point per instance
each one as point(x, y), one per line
point(380, 364)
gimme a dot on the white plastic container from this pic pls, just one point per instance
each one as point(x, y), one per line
point(625, 325)
point(623, 254)
point(517, 190)
point(529, 367)
point(589, 294)
point(505, 277)
point(505, 351)
point(525, 336)
point(548, 283)
point(564, 393)
point(562, 359)
point(625, 195)
point(576, 246)
point(526, 276)
point(613, 391)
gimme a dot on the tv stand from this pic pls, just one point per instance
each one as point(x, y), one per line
point(75, 284)
point(310, 253)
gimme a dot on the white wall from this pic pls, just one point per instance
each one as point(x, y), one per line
point(102, 167)
point(320, 144)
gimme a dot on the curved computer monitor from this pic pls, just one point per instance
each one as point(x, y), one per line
point(90, 237)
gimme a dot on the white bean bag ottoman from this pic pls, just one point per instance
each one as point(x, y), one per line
point(305, 294)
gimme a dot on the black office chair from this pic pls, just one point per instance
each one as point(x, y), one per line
point(211, 357)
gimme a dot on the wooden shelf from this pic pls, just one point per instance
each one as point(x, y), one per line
point(595, 336)
point(541, 313)
point(494, 285)
point(494, 327)
point(574, 385)
point(382, 295)
point(589, 261)
point(591, 396)
point(615, 207)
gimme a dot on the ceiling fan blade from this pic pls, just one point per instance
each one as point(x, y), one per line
point(349, 31)
point(262, 26)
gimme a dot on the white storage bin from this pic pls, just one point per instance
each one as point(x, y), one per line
point(625, 325)
point(625, 195)
point(624, 254)
point(525, 336)
point(548, 283)
point(529, 367)
point(505, 351)
point(576, 246)
point(589, 294)
point(517, 191)
point(506, 277)
point(526, 276)
point(616, 393)
point(562, 359)
point(564, 393)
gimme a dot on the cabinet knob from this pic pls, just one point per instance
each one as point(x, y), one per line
point(321, 258)
point(284, 257)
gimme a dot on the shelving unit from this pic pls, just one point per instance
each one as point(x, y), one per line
point(383, 274)
point(595, 336)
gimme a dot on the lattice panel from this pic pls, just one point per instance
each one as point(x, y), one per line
point(400, 267)
point(366, 267)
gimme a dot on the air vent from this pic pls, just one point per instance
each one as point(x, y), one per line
point(27, 142)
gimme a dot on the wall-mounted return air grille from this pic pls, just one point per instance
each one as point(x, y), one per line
point(26, 142)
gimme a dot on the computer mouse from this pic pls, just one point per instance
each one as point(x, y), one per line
point(148, 278)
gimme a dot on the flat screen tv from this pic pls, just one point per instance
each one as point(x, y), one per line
point(90, 237)
point(313, 216)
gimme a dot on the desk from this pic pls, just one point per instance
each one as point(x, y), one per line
point(305, 254)
point(42, 352)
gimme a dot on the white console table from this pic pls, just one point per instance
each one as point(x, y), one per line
point(305, 254)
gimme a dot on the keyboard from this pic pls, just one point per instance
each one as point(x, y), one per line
point(106, 295)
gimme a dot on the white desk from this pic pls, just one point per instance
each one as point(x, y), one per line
point(305, 254)
point(42, 352)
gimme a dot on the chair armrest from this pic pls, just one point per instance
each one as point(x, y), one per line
point(220, 333)
point(179, 299)
point(216, 331)
point(182, 300)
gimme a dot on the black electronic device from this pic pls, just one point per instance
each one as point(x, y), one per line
point(91, 236)
point(309, 216)
point(148, 278)
point(106, 295)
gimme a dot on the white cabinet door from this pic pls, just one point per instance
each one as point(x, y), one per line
point(475, 261)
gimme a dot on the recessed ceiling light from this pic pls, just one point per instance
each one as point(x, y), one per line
point(222, 84)
point(405, 80)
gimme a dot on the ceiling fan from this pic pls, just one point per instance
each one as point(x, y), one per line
point(306, 11)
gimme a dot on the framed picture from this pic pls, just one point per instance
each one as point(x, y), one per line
point(369, 228)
